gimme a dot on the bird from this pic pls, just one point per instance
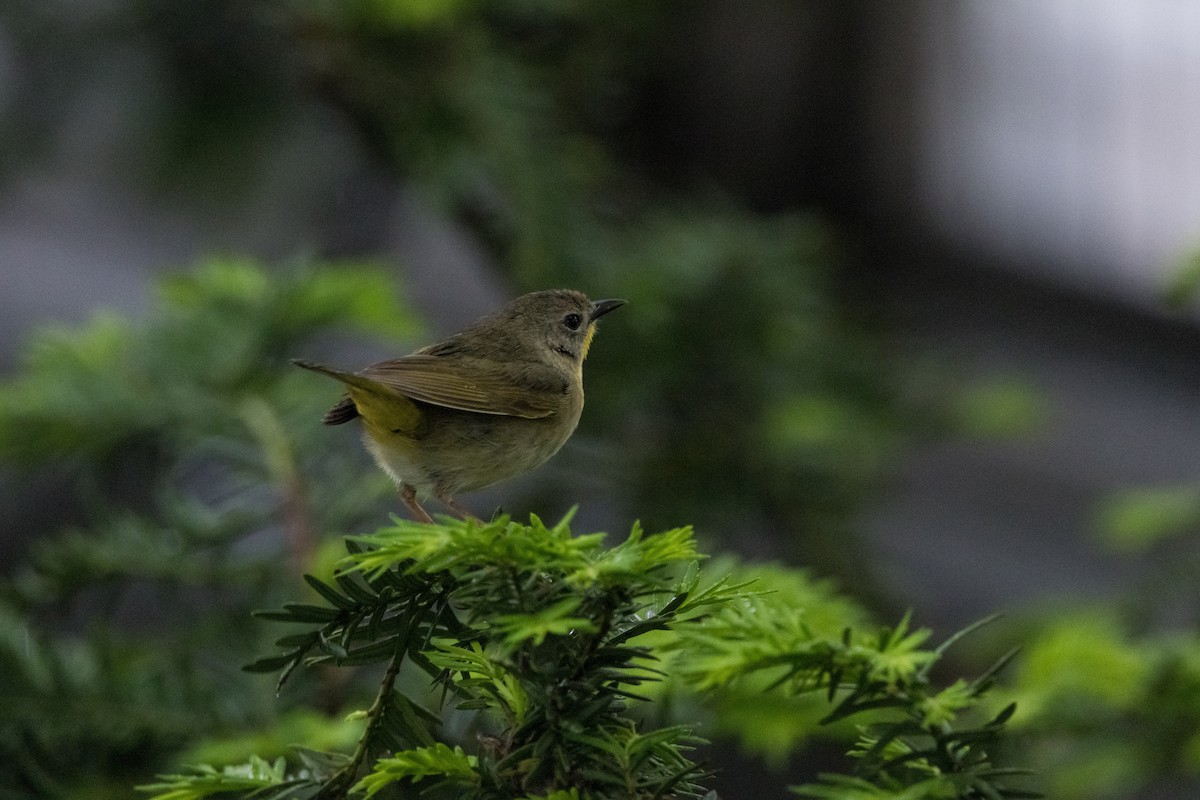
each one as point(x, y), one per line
point(491, 402)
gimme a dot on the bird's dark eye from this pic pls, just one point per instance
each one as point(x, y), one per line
point(573, 321)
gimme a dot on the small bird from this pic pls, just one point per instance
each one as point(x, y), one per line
point(493, 401)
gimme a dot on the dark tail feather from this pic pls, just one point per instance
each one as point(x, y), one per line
point(344, 411)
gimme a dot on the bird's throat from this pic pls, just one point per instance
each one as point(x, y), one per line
point(587, 341)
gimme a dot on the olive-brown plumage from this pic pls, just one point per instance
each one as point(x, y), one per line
point(492, 402)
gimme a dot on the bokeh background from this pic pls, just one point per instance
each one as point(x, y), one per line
point(909, 283)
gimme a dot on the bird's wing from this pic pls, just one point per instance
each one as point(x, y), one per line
point(531, 390)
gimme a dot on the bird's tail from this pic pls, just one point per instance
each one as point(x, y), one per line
point(348, 378)
point(346, 409)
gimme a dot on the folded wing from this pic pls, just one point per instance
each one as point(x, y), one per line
point(531, 391)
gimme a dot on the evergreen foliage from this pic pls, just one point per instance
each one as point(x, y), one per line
point(1110, 692)
point(170, 441)
point(549, 639)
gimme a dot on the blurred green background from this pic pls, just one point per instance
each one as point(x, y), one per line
point(828, 359)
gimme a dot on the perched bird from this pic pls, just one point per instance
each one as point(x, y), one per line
point(491, 402)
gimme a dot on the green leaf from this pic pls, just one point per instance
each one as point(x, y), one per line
point(203, 781)
point(439, 761)
point(271, 663)
point(330, 594)
point(942, 708)
point(411, 721)
point(516, 629)
point(299, 612)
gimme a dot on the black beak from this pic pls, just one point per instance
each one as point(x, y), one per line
point(602, 307)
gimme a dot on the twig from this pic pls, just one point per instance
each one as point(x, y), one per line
point(340, 782)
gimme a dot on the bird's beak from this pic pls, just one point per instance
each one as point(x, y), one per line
point(602, 307)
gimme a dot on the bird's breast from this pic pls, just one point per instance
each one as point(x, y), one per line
point(461, 451)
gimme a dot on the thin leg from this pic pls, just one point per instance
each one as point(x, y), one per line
point(453, 505)
point(409, 495)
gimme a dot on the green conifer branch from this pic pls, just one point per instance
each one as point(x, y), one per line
point(538, 633)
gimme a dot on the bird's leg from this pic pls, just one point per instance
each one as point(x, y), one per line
point(452, 504)
point(409, 495)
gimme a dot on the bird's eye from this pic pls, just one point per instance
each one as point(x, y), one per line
point(573, 321)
